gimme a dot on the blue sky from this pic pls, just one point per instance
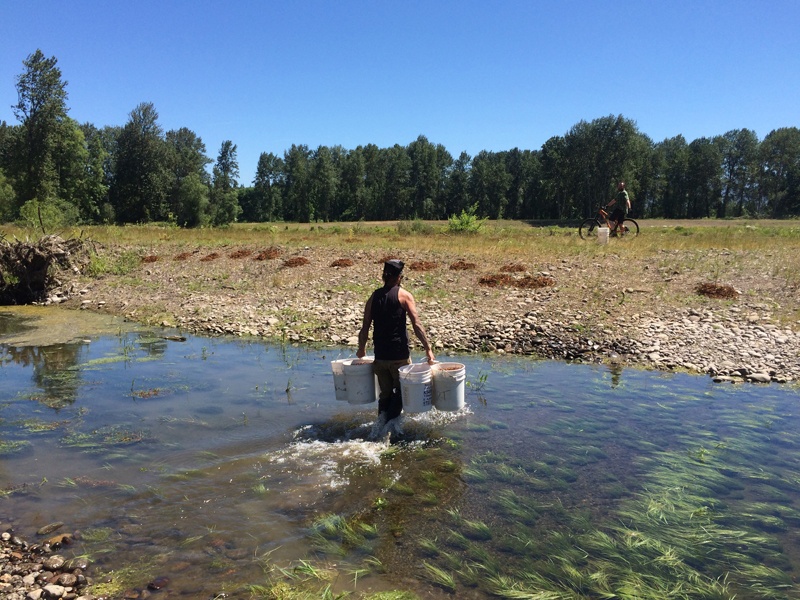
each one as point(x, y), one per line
point(470, 75)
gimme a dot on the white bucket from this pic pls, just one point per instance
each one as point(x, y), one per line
point(416, 387)
point(359, 380)
point(602, 235)
point(449, 380)
point(339, 381)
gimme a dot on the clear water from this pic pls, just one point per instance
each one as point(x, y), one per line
point(214, 463)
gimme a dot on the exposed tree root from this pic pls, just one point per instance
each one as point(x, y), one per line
point(29, 271)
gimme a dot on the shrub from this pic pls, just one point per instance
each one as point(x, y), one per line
point(48, 214)
point(416, 226)
point(466, 222)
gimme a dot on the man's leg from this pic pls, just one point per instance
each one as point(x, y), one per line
point(382, 370)
point(390, 400)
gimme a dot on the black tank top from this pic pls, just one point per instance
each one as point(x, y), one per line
point(389, 318)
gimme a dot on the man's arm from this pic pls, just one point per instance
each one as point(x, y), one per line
point(363, 335)
point(407, 302)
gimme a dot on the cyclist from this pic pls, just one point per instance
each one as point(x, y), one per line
point(621, 204)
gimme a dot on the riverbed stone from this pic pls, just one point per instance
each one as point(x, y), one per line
point(759, 377)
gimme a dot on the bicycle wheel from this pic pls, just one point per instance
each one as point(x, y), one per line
point(630, 228)
point(588, 228)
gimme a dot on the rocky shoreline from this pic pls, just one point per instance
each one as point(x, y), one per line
point(577, 318)
point(37, 572)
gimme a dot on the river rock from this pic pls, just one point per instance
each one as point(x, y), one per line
point(759, 377)
point(48, 529)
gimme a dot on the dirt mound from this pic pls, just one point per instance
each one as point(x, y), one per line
point(422, 265)
point(241, 254)
point(342, 262)
point(527, 282)
point(210, 257)
point(513, 268)
point(269, 254)
point(295, 261)
point(150, 258)
point(461, 265)
point(716, 290)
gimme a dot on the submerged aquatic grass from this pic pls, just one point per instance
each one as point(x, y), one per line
point(650, 491)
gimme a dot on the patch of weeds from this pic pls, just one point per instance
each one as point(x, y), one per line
point(144, 394)
point(51, 401)
point(114, 583)
point(121, 264)
point(439, 576)
point(96, 535)
point(40, 426)
point(9, 447)
point(402, 489)
point(478, 427)
point(417, 226)
point(476, 530)
point(95, 440)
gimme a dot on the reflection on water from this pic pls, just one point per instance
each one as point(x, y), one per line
point(227, 465)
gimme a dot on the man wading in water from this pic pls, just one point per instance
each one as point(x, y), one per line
point(387, 309)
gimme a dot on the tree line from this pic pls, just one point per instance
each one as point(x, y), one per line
point(138, 173)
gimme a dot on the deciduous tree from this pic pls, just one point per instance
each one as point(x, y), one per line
point(224, 206)
point(41, 107)
point(141, 177)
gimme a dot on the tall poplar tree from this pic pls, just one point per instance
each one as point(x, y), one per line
point(41, 108)
point(224, 199)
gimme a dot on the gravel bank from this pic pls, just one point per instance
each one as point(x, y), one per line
point(300, 297)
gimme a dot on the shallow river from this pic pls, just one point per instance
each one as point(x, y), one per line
point(211, 466)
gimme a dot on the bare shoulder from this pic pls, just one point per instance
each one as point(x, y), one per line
point(406, 298)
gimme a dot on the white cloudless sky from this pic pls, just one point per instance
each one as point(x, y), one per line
point(470, 75)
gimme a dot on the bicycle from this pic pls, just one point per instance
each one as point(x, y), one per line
point(588, 228)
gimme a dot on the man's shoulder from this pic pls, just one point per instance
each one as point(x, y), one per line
point(404, 294)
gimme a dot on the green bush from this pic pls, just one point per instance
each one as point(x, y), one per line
point(415, 226)
point(48, 214)
point(466, 222)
